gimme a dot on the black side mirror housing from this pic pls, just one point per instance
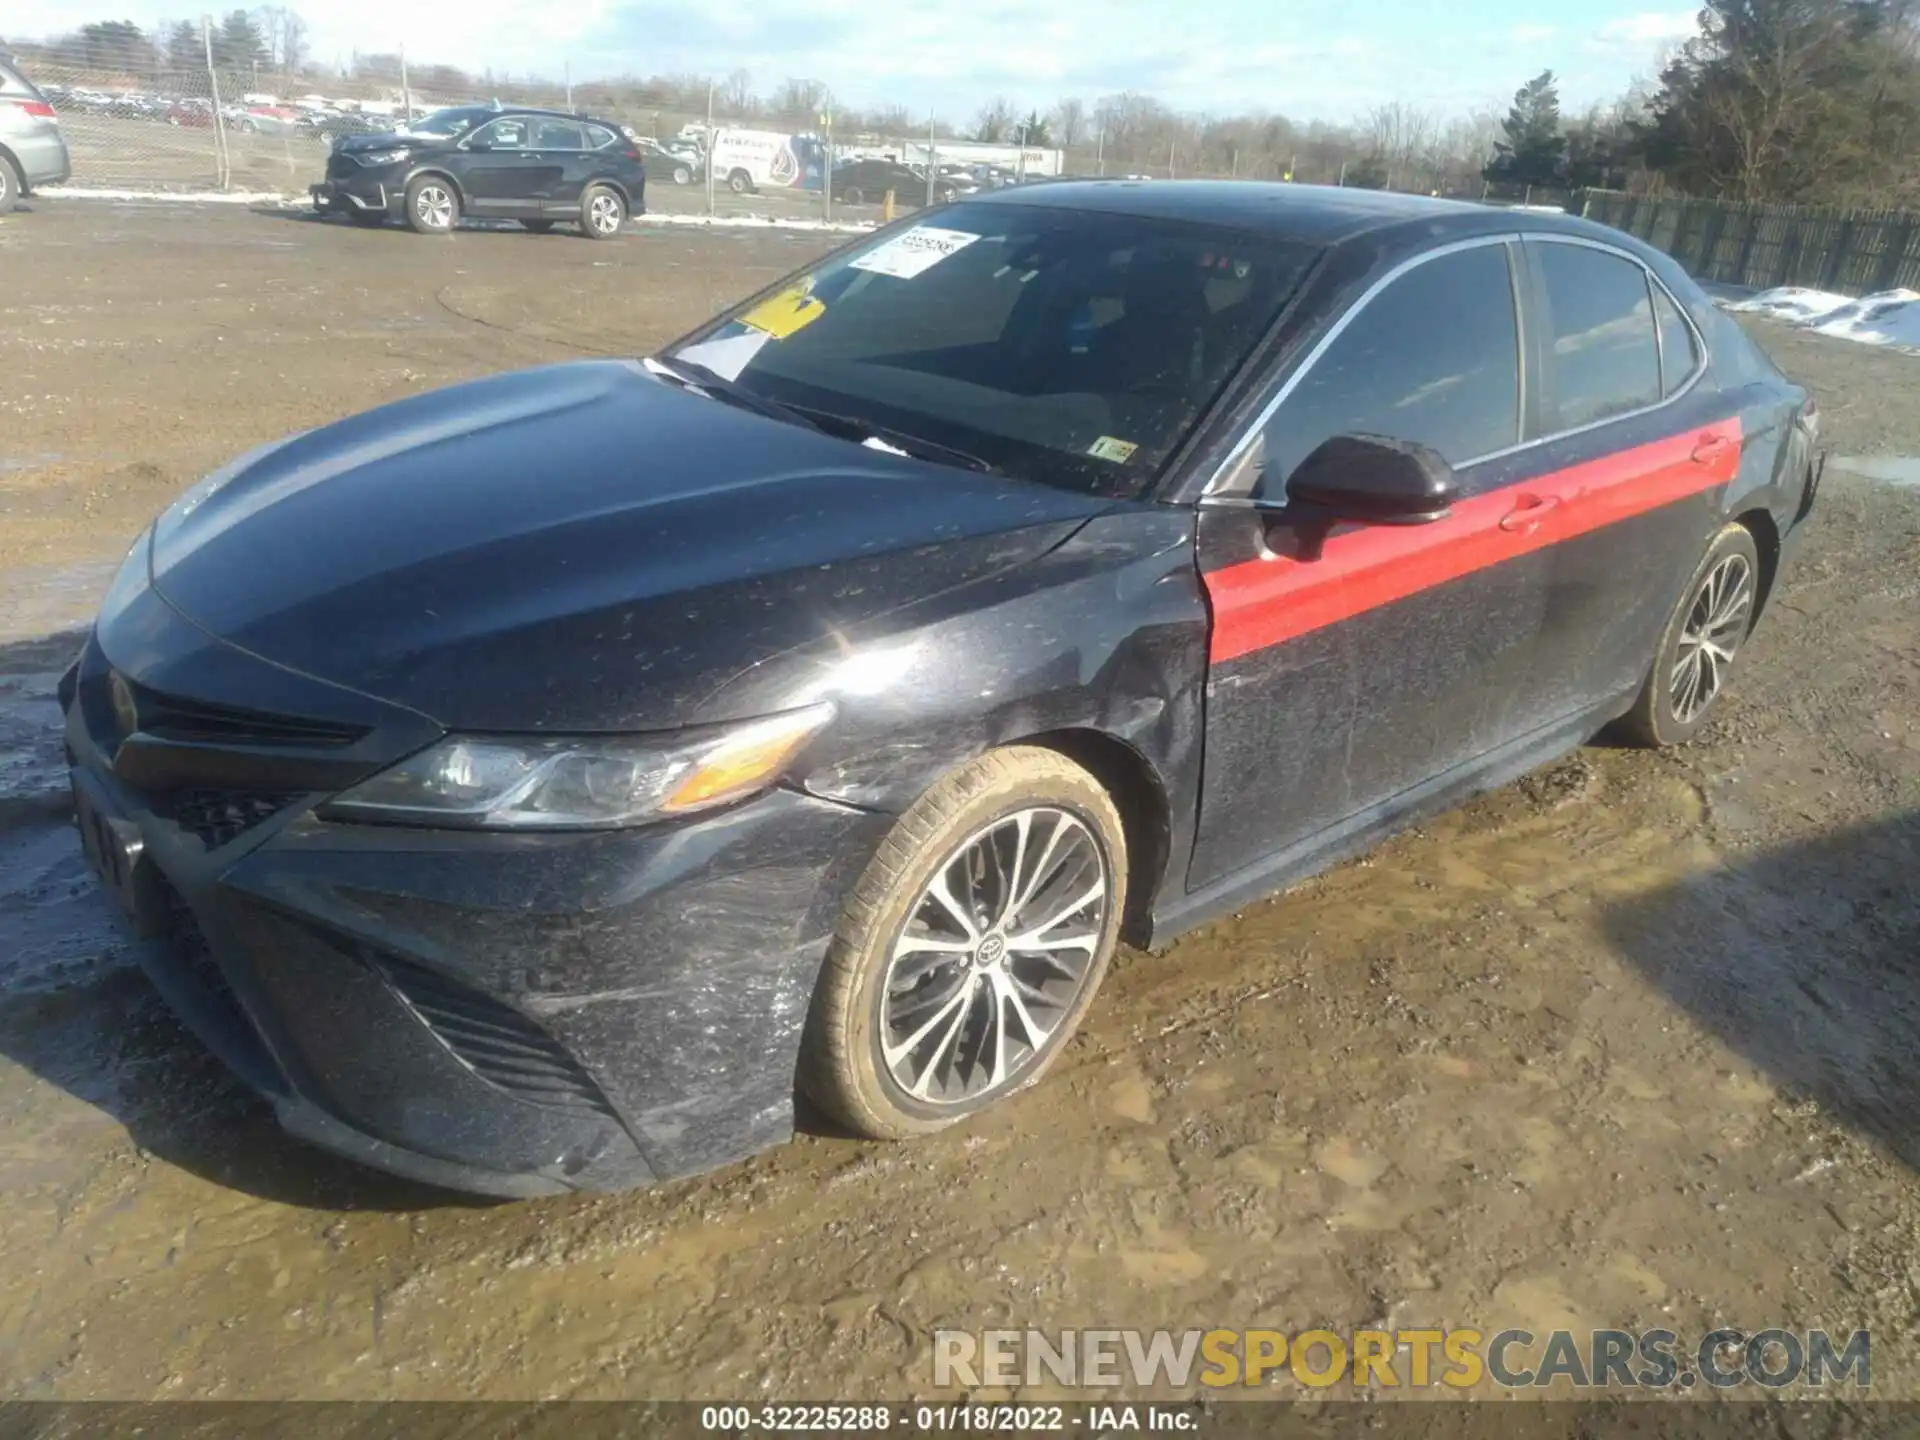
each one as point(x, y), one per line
point(1374, 480)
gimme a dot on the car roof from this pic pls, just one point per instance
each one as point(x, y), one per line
point(1314, 214)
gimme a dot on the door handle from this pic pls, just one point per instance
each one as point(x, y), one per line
point(1528, 512)
point(1711, 448)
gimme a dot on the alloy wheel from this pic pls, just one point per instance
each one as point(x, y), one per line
point(1716, 624)
point(993, 957)
point(603, 213)
point(434, 205)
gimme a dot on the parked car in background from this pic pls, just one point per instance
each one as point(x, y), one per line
point(539, 167)
point(191, 114)
point(676, 164)
point(327, 126)
point(861, 182)
point(33, 152)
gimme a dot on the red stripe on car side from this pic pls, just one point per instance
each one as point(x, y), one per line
point(1258, 603)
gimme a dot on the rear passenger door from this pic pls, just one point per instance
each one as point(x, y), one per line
point(1638, 455)
point(562, 164)
point(1399, 655)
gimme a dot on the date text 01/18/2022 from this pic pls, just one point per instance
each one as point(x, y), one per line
point(941, 1419)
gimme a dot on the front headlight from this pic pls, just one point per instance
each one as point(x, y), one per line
point(582, 783)
point(383, 157)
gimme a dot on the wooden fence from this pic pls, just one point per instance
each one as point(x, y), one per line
point(1852, 251)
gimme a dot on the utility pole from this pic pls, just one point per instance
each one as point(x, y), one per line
point(826, 162)
point(1100, 150)
point(406, 90)
point(933, 158)
point(710, 147)
point(566, 73)
point(1343, 172)
point(222, 161)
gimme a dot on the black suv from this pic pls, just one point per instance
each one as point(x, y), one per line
point(535, 166)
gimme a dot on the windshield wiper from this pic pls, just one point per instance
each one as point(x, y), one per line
point(711, 382)
point(851, 427)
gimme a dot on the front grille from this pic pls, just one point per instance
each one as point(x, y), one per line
point(341, 165)
point(499, 1044)
point(219, 817)
point(197, 722)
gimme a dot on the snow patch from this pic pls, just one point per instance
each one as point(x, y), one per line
point(1889, 319)
point(178, 197)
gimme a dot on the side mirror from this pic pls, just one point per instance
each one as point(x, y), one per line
point(1374, 480)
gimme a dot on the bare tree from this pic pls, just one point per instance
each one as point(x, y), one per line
point(736, 93)
point(1069, 122)
point(799, 102)
point(996, 122)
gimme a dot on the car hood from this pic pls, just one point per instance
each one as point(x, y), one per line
point(581, 546)
point(387, 139)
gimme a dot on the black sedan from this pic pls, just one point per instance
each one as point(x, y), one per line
point(534, 784)
point(862, 182)
point(539, 167)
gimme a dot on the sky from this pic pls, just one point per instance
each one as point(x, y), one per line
point(1306, 59)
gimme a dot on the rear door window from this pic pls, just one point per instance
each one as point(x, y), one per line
point(1602, 350)
point(557, 135)
point(1434, 357)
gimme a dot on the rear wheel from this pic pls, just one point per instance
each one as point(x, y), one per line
point(10, 186)
point(971, 948)
point(538, 227)
point(1700, 643)
point(739, 182)
point(683, 174)
point(602, 212)
point(853, 195)
point(432, 207)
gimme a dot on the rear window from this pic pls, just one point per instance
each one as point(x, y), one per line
point(1679, 351)
point(599, 137)
point(12, 82)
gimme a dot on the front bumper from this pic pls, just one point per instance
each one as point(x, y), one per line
point(507, 1014)
point(363, 194)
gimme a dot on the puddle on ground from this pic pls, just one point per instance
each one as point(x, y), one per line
point(1894, 469)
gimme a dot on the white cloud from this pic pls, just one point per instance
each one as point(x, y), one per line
point(1649, 27)
point(1532, 34)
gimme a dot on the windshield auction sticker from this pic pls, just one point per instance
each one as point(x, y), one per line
point(787, 313)
point(913, 253)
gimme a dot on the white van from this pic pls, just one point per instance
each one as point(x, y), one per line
point(746, 160)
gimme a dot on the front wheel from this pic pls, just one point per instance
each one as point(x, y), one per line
point(432, 207)
point(683, 174)
point(1700, 643)
point(971, 948)
point(739, 182)
point(853, 195)
point(602, 212)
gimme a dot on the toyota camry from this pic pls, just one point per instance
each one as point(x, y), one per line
point(540, 784)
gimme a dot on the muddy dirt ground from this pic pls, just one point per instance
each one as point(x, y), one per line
point(1635, 1041)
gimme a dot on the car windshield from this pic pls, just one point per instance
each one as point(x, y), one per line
point(449, 123)
point(1068, 346)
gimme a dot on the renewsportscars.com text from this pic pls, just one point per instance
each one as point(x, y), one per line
point(1458, 1359)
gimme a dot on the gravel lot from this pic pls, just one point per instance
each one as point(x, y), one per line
point(1631, 1042)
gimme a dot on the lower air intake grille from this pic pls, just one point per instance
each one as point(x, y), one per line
point(499, 1044)
point(219, 817)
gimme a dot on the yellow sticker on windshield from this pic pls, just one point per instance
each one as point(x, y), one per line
point(787, 313)
point(1108, 448)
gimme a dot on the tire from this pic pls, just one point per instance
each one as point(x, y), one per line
point(682, 175)
point(10, 186)
point(853, 195)
point(538, 227)
point(1074, 832)
point(602, 212)
point(1719, 603)
point(739, 182)
point(440, 212)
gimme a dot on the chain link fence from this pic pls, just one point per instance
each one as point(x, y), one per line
point(214, 128)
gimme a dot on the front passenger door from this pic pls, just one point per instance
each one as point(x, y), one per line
point(497, 168)
point(1400, 654)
